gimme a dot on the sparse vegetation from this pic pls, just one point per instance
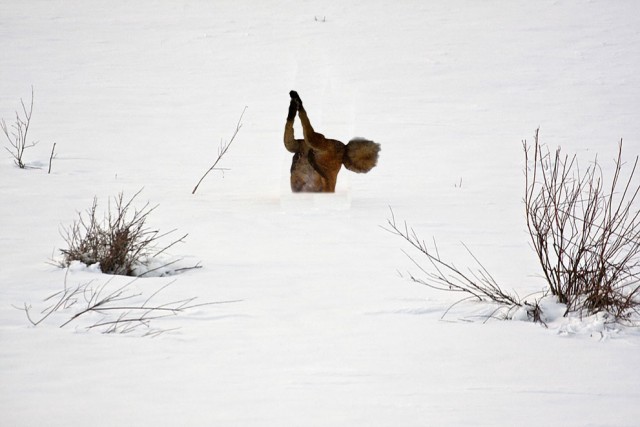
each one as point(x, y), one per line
point(17, 133)
point(478, 284)
point(585, 233)
point(120, 242)
point(110, 308)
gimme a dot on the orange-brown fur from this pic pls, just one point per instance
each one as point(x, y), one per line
point(317, 160)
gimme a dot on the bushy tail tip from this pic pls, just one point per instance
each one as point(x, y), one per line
point(361, 155)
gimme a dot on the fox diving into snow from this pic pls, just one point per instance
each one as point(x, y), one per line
point(317, 160)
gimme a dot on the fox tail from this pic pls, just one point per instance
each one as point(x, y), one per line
point(361, 155)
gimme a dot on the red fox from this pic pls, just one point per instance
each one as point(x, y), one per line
point(317, 160)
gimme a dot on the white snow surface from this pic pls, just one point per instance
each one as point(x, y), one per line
point(327, 330)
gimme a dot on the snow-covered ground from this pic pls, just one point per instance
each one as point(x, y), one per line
point(324, 330)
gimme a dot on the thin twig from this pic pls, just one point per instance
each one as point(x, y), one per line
point(120, 313)
point(222, 150)
point(53, 149)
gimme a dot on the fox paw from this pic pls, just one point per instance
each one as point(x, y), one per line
point(296, 98)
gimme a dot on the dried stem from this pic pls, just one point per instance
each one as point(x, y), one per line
point(118, 307)
point(441, 275)
point(51, 157)
point(222, 150)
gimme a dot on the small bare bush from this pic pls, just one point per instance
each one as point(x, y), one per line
point(120, 241)
point(586, 233)
point(17, 133)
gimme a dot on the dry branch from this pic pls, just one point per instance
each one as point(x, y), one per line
point(442, 275)
point(118, 308)
point(222, 150)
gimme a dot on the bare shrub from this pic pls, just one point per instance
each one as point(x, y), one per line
point(475, 284)
point(586, 234)
point(17, 133)
point(120, 242)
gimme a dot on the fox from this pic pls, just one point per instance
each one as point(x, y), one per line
point(317, 160)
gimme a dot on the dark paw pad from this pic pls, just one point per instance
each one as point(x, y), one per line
point(295, 97)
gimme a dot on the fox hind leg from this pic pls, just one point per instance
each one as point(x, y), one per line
point(316, 140)
point(290, 143)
